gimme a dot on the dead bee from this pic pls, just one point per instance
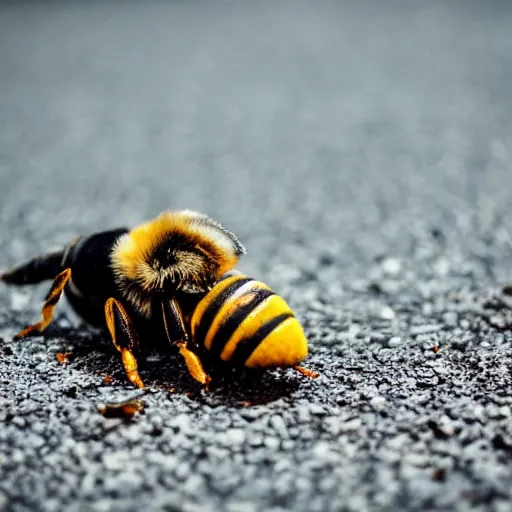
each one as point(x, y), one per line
point(170, 277)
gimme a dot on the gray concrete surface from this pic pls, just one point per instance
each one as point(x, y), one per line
point(362, 152)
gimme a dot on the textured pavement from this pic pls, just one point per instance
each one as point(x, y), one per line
point(362, 151)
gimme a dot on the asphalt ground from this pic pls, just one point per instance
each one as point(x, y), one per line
point(362, 153)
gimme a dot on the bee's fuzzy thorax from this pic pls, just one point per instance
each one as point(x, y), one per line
point(184, 247)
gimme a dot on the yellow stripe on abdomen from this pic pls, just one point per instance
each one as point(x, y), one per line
point(286, 345)
point(240, 298)
point(266, 311)
point(207, 301)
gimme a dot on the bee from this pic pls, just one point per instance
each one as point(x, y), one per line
point(172, 277)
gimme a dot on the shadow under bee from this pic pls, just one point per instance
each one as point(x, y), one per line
point(162, 368)
point(244, 388)
point(239, 387)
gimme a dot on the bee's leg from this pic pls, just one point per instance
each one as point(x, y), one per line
point(306, 372)
point(124, 338)
point(177, 334)
point(49, 305)
point(39, 269)
point(194, 365)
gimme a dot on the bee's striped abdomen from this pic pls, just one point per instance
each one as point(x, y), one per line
point(243, 321)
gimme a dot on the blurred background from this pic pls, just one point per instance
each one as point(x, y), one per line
point(354, 128)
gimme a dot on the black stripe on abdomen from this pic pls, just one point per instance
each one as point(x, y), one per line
point(230, 324)
point(247, 346)
point(213, 308)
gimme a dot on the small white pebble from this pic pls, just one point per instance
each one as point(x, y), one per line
point(392, 266)
point(379, 403)
point(19, 301)
point(505, 411)
point(442, 267)
point(386, 313)
point(395, 341)
point(235, 436)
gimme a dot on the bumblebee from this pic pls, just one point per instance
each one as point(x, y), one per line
point(172, 277)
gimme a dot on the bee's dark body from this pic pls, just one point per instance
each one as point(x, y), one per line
point(92, 279)
point(126, 280)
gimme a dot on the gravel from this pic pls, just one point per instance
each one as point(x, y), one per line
point(362, 153)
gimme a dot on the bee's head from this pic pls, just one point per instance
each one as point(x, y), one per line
point(178, 251)
point(180, 263)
